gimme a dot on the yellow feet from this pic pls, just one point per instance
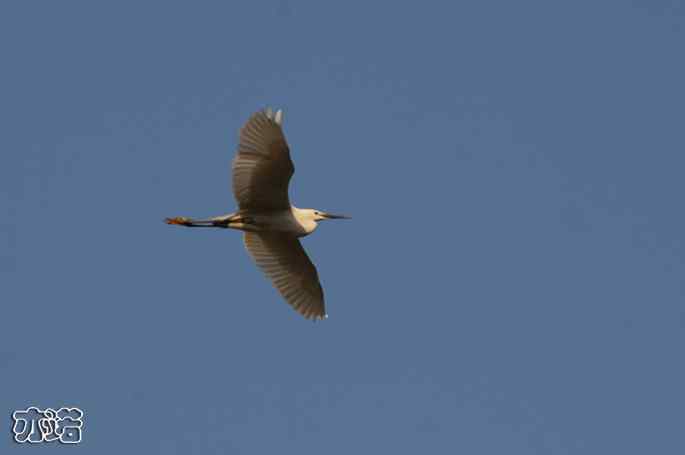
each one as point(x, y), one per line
point(180, 220)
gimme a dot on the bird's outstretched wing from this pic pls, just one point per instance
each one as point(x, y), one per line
point(282, 258)
point(262, 167)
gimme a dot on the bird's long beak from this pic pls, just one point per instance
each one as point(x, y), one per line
point(189, 222)
point(330, 216)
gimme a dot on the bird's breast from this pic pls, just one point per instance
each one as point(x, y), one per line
point(282, 222)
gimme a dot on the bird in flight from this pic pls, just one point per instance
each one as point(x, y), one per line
point(261, 172)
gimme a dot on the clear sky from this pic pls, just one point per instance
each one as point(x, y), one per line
point(512, 280)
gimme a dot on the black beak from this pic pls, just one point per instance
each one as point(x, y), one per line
point(330, 216)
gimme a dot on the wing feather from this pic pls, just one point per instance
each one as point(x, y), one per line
point(282, 259)
point(262, 167)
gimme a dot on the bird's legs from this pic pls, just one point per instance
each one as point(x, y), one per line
point(242, 222)
point(233, 221)
point(219, 221)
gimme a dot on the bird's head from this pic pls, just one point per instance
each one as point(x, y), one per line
point(320, 215)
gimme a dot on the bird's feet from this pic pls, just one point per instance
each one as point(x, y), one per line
point(180, 220)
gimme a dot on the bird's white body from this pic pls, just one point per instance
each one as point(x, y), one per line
point(296, 222)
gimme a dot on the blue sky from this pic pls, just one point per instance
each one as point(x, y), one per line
point(512, 280)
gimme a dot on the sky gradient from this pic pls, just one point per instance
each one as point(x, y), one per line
point(512, 280)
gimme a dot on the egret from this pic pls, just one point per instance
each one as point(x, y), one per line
point(261, 173)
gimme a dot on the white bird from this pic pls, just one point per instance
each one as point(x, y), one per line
point(261, 172)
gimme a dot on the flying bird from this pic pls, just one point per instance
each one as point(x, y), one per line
point(261, 170)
